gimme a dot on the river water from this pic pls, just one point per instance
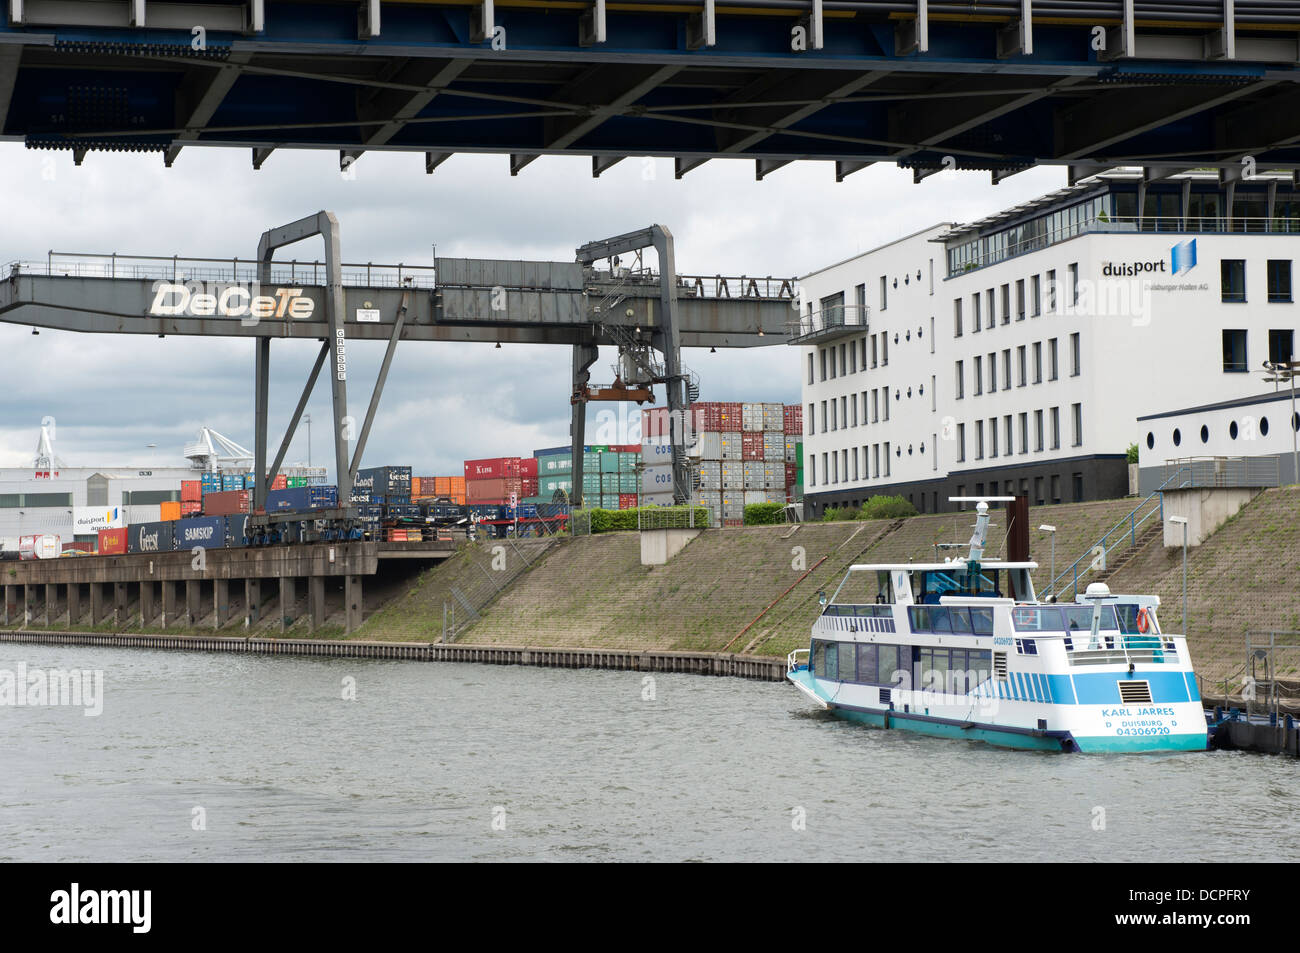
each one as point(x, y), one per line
point(221, 757)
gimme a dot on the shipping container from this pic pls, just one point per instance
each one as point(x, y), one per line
point(528, 466)
point(753, 474)
point(485, 511)
point(169, 511)
point(755, 496)
point(733, 507)
point(111, 542)
point(791, 474)
point(191, 490)
point(628, 461)
point(657, 499)
point(492, 468)
point(152, 537)
point(751, 416)
point(554, 463)
point(609, 501)
point(530, 485)
point(793, 419)
point(548, 485)
point(708, 446)
point(281, 482)
point(774, 446)
point(608, 463)
point(210, 482)
point(791, 449)
point(627, 501)
point(657, 479)
point(403, 511)
point(78, 546)
point(231, 481)
point(773, 475)
point(46, 546)
point(206, 531)
point(713, 503)
point(250, 479)
point(777, 496)
point(733, 445)
point(629, 482)
point(190, 508)
point(733, 475)
point(710, 475)
point(493, 491)
point(774, 418)
point(237, 530)
point(386, 481)
point(655, 452)
point(302, 499)
point(223, 504)
point(751, 446)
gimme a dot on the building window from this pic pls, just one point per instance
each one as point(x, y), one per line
point(975, 325)
point(956, 317)
point(993, 436)
point(993, 373)
point(1056, 488)
point(832, 351)
point(979, 375)
point(823, 353)
point(961, 443)
point(979, 440)
point(844, 457)
point(1280, 346)
point(1051, 291)
point(1075, 356)
point(875, 461)
point(853, 403)
point(1077, 481)
point(863, 361)
point(824, 427)
point(1022, 365)
point(875, 405)
point(884, 349)
point(853, 358)
point(1279, 281)
point(1024, 433)
point(860, 298)
point(886, 393)
point(1232, 279)
point(835, 425)
point(1006, 304)
point(812, 420)
point(1076, 413)
point(1035, 296)
point(1006, 369)
point(1020, 299)
point(884, 293)
point(810, 367)
point(961, 381)
point(990, 309)
point(855, 464)
point(812, 470)
point(1074, 285)
point(835, 467)
point(1234, 351)
point(844, 412)
point(1038, 431)
point(931, 334)
point(844, 366)
point(1056, 428)
point(873, 350)
point(1007, 434)
point(1051, 360)
point(886, 458)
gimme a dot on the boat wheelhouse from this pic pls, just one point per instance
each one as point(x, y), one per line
point(964, 649)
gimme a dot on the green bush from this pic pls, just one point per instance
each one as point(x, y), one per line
point(834, 514)
point(659, 517)
point(764, 514)
point(1132, 453)
point(886, 508)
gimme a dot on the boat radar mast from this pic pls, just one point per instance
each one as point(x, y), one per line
point(979, 537)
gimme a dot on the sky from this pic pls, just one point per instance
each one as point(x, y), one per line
point(111, 397)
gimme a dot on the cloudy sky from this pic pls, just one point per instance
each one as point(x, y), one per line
point(113, 396)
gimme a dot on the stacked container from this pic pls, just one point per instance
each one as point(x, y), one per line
point(226, 503)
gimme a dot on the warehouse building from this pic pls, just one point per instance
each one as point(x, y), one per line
point(1016, 354)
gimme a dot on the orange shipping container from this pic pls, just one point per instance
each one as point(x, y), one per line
point(112, 541)
point(442, 486)
point(170, 510)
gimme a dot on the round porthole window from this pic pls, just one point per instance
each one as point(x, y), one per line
point(1205, 434)
point(897, 395)
point(1178, 437)
point(909, 449)
point(921, 390)
point(1151, 441)
point(1232, 430)
point(923, 448)
point(895, 337)
point(909, 393)
point(909, 334)
point(1263, 426)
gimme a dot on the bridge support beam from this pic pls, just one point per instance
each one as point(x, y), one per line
point(352, 604)
point(98, 603)
point(220, 602)
point(252, 601)
point(193, 605)
point(148, 603)
point(288, 599)
point(74, 604)
point(316, 601)
point(169, 610)
point(120, 605)
point(51, 603)
point(11, 605)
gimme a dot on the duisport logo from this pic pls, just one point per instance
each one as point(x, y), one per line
point(1182, 257)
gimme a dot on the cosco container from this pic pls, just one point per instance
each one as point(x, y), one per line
point(206, 531)
point(152, 537)
point(554, 463)
point(658, 479)
point(656, 451)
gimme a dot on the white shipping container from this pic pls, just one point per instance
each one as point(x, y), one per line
point(774, 418)
point(710, 472)
point(791, 449)
point(751, 416)
point(709, 446)
point(733, 507)
point(732, 448)
point(776, 496)
point(774, 476)
point(656, 499)
point(774, 446)
point(755, 496)
point(657, 479)
point(733, 475)
point(656, 451)
point(753, 474)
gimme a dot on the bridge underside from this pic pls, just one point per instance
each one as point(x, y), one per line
point(690, 81)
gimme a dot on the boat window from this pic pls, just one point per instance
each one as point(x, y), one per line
point(867, 664)
point(934, 585)
point(1038, 619)
point(1026, 646)
point(981, 621)
point(884, 591)
point(848, 664)
point(819, 654)
point(1079, 618)
point(887, 666)
point(960, 617)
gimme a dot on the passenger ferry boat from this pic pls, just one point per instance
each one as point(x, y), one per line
point(963, 649)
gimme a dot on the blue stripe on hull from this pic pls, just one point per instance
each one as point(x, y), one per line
point(1103, 743)
point(993, 735)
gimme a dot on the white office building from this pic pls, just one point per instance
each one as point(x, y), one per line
point(1015, 354)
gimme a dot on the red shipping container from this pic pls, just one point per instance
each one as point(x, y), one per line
point(627, 501)
point(281, 482)
point(493, 491)
point(791, 474)
point(492, 468)
point(751, 445)
point(793, 418)
point(191, 508)
point(530, 486)
point(528, 466)
point(191, 490)
point(83, 547)
point(626, 448)
point(226, 504)
point(112, 542)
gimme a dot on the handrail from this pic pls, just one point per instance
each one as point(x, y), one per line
point(792, 660)
point(1129, 524)
point(827, 319)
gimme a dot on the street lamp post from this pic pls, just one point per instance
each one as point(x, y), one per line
point(1182, 521)
point(1051, 530)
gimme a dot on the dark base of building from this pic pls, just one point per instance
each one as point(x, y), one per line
point(1075, 480)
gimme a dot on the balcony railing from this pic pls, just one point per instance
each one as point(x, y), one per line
point(829, 322)
point(1227, 471)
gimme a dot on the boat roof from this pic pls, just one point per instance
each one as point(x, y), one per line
point(952, 566)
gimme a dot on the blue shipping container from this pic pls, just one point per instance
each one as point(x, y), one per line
point(208, 531)
point(237, 530)
point(301, 498)
point(404, 510)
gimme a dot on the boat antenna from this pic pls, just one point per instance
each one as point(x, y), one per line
point(979, 538)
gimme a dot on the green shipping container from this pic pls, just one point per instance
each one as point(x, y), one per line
point(609, 501)
point(554, 463)
point(609, 462)
point(627, 462)
point(629, 483)
point(547, 485)
point(591, 462)
point(610, 483)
